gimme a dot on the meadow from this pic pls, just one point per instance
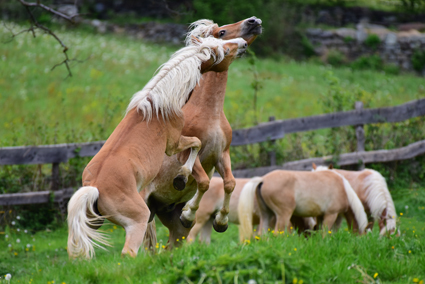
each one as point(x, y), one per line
point(41, 106)
point(339, 257)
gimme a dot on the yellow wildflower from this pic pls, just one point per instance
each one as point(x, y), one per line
point(177, 240)
point(183, 237)
point(300, 281)
point(163, 247)
point(15, 253)
point(115, 227)
point(375, 275)
point(295, 280)
point(392, 247)
point(410, 251)
point(119, 263)
point(329, 232)
point(415, 280)
point(257, 237)
point(295, 249)
point(401, 214)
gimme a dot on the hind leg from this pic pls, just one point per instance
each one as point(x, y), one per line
point(283, 221)
point(224, 168)
point(132, 213)
point(171, 220)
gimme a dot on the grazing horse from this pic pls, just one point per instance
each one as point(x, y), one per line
point(212, 202)
point(305, 194)
point(373, 192)
point(205, 119)
point(132, 156)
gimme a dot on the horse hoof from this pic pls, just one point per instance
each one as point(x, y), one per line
point(179, 182)
point(187, 223)
point(220, 228)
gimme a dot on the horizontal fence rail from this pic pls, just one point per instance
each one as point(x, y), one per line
point(277, 129)
point(38, 197)
point(356, 158)
point(267, 131)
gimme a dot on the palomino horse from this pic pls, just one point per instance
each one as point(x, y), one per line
point(212, 202)
point(373, 192)
point(305, 194)
point(133, 154)
point(205, 119)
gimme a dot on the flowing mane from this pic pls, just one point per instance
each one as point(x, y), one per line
point(169, 89)
point(201, 28)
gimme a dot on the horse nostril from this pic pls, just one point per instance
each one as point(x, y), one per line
point(245, 45)
point(251, 21)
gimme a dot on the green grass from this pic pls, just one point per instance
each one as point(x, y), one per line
point(339, 257)
point(41, 107)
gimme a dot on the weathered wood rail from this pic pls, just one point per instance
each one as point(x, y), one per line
point(269, 131)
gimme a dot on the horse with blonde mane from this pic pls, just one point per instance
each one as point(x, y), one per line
point(371, 187)
point(132, 156)
point(175, 199)
point(305, 194)
point(213, 200)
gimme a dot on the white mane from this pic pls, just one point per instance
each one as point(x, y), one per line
point(169, 89)
point(378, 199)
point(201, 28)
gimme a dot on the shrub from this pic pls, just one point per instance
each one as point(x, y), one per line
point(336, 58)
point(348, 39)
point(391, 69)
point(418, 60)
point(373, 62)
point(372, 41)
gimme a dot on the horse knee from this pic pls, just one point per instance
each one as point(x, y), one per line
point(229, 185)
point(203, 185)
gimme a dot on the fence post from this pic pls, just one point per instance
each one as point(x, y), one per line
point(55, 177)
point(360, 135)
point(272, 154)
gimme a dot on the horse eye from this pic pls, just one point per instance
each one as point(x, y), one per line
point(221, 33)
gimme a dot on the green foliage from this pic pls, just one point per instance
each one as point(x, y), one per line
point(372, 62)
point(413, 6)
point(348, 39)
point(308, 47)
point(418, 60)
point(391, 69)
point(336, 58)
point(372, 41)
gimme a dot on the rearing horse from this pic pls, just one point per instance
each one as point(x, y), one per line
point(205, 119)
point(133, 154)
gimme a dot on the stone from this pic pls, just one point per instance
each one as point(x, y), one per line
point(69, 10)
point(411, 26)
point(390, 40)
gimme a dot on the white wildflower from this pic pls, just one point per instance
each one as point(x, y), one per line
point(18, 217)
point(18, 241)
point(28, 245)
point(13, 223)
point(7, 277)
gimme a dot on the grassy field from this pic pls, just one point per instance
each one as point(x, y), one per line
point(41, 107)
point(338, 258)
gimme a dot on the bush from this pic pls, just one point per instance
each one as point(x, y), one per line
point(372, 41)
point(418, 60)
point(373, 62)
point(336, 58)
point(391, 69)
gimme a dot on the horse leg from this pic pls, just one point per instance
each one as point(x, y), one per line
point(206, 232)
point(185, 142)
point(328, 221)
point(224, 168)
point(188, 215)
point(337, 223)
point(351, 221)
point(283, 221)
point(133, 214)
point(171, 220)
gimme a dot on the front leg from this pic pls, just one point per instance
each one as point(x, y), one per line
point(203, 181)
point(185, 142)
point(224, 168)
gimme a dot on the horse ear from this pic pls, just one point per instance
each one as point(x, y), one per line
point(195, 40)
point(314, 166)
point(330, 166)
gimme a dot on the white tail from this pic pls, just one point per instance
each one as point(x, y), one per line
point(246, 208)
point(81, 235)
point(378, 199)
point(356, 205)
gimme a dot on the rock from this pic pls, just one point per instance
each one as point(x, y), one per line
point(345, 32)
point(69, 10)
point(411, 26)
point(390, 40)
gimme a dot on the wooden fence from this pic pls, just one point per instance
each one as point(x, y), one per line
point(269, 131)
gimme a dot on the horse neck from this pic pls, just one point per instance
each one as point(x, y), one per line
point(208, 96)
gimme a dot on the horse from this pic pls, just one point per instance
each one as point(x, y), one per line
point(132, 155)
point(371, 187)
point(282, 194)
point(166, 195)
point(212, 202)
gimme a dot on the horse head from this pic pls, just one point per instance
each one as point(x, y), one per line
point(247, 29)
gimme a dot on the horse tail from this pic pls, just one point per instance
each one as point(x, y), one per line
point(150, 236)
point(356, 205)
point(82, 223)
point(246, 208)
point(378, 199)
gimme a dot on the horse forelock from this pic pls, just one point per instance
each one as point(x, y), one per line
point(168, 90)
point(201, 28)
